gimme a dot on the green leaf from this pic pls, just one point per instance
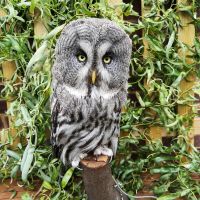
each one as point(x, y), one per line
point(140, 99)
point(44, 176)
point(38, 56)
point(24, 156)
point(26, 196)
point(26, 161)
point(13, 154)
point(32, 7)
point(14, 43)
point(169, 196)
point(67, 177)
point(14, 171)
point(47, 185)
point(163, 170)
point(162, 158)
point(25, 114)
point(54, 32)
point(150, 72)
point(178, 80)
point(170, 43)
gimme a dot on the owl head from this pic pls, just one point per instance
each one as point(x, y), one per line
point(92, 56)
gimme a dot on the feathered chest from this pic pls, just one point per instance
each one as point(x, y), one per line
point(82, 124)
point(88, 109)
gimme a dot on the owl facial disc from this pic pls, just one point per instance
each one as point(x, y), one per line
point(92, 57)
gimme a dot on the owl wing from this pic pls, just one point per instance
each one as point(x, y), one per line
point(54, 121)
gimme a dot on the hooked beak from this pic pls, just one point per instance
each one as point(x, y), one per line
point(94, 76)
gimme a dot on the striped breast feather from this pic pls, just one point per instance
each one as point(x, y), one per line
point(79, 131)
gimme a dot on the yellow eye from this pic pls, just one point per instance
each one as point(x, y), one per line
point(81, 58)
point(107, 59)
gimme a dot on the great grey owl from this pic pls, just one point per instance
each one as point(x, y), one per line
point(89, 81)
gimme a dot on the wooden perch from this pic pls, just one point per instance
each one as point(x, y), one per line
point(98, 181)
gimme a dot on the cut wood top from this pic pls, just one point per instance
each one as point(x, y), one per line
point(95, 162)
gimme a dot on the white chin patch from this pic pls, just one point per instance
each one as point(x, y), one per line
point(97, 93)
point(76, 92)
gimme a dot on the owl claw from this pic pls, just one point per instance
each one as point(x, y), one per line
point(83, 155)
point(97, 151)
point(77, 159)
point(75, 162)
point(103, 151)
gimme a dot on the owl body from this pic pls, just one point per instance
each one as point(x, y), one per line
point(86, 107)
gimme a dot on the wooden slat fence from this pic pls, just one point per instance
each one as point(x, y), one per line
point(8, 69)
point(196, 126)
point(187, 29)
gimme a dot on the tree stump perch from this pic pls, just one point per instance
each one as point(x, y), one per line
point(98, 181)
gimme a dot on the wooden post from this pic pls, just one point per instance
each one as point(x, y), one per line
point(98, 180)
point(186, 35)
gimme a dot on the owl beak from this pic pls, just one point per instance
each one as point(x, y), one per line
point(94, 76)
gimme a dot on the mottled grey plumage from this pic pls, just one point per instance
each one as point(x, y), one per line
point(86, 114)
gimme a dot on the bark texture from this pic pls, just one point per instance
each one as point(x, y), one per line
point(98, 180)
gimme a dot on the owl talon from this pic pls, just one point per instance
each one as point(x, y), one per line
point(76, 160)
point(98, 151)
point(103, 151)
point(83, 155)
point(75, 163)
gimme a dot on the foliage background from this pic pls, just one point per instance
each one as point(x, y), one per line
point(152, 103)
